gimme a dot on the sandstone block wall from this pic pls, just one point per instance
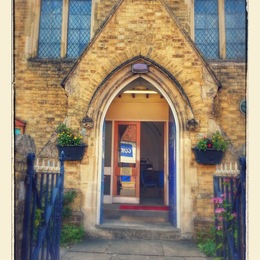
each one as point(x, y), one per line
point(44, 104)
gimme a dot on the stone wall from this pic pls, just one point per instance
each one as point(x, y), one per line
point(44, 104)
point(233, 77)
point(178, 7)
point(40, 100)
point(233, 125)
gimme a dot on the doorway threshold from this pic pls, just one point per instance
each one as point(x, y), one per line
point(134, 230)
point(139, 214)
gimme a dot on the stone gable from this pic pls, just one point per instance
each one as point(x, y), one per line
point(148, 29)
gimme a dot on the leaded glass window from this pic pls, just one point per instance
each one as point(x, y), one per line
point(235, 22)
point(50, 29)
point(206, 28)
point(55, 12)
point(79, 26)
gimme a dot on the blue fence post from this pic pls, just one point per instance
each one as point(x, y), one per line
point(59, 206)
point(243, 204)
point(26, 220)
point(233, 191)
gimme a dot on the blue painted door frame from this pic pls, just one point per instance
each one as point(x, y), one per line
point(172, 171)
point(102, 173)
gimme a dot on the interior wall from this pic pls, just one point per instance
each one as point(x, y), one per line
point(138, 108)
point(152, 141)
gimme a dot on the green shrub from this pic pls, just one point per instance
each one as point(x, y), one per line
point(71, 234)
point(206, 242)
point(208, 247)
point(68, 198)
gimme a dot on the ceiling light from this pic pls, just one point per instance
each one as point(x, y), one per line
point(136, 91)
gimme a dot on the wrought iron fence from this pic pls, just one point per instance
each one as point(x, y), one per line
point(43, 211)
point(230, 211)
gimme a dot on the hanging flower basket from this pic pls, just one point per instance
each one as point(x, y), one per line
point(70, 143)
point(208, 157)
point(72, 153)
point(210, 150)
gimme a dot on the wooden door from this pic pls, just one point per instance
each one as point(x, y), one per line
point(126, 180)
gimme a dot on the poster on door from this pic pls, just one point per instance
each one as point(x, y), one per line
point(127, 152)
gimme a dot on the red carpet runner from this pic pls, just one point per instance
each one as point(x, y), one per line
point(142, 207)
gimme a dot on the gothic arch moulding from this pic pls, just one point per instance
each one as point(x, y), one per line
point(157, 76)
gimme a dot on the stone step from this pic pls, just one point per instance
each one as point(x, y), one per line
point(146, 231)
point(146, 216)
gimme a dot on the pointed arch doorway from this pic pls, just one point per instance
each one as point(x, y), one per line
point(139, 136)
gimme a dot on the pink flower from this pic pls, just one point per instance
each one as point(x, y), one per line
point(234, 214)
point(220, 218)
point(217, 200)
point(219, 210)
point(227, 180)
point(219, 227)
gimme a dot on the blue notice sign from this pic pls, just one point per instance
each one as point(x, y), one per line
point(126, 150)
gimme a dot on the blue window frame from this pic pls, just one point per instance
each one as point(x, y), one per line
point(50, 29)
point(235, 22)
point(79, 26)
point(206, 28)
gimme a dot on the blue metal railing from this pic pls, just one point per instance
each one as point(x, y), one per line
point(42, 213)
point(230, 214)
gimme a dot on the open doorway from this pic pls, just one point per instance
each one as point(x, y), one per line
point(147, 172)
point(137, 140)
point(152, 163)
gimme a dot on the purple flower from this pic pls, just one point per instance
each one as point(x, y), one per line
point(220, 218)
point(219, 227)
point(227, 180)
point(234, 214)
point(219, 210)
point(217, 200)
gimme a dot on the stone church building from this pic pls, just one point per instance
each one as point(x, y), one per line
point(152, 75)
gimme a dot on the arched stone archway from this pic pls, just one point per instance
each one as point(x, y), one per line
point(182, 112)
point(190, 95)
point(157, 76)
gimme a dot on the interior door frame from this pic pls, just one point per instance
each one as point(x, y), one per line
point(125, 199)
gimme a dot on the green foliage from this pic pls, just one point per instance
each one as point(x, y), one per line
point(206, 242)
point(203, 144)
point(216, 142)
point(208, 247)
point(68, 198)
point(71, 234)
point(38, 218)
point(66, 137)
point(66, 212)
